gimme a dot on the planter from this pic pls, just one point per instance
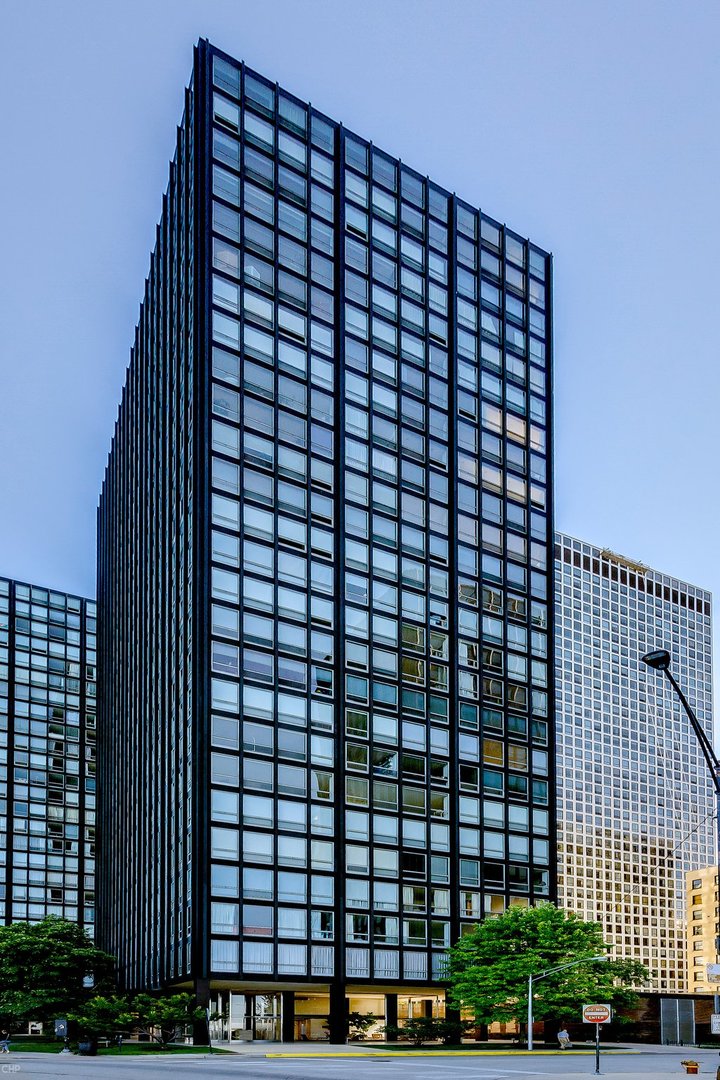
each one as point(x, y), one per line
point(691, 1067)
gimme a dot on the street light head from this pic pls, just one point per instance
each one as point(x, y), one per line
point(600, 959)
point(659, 659)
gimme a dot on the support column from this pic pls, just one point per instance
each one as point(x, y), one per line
point(452, 1016)
point(288, 1016)
point(338, 1014)
point(200, 1028)
point(250, 1013)
point(391, 1015)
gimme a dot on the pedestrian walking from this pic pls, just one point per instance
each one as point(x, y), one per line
point(4, 1042)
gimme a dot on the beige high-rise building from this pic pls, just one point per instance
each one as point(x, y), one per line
point(635, 797)
point(702, 928)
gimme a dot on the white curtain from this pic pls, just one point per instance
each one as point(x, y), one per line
point(292, 959)
point(258, 956)
point(415, 965)
point(323, 960)
point(387, 964)
point(358, 962)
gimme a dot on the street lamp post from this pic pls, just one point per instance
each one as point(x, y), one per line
point(659, 660)
point(551, 971)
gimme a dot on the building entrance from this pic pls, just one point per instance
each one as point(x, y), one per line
point(409, 1008)
point(246, 1016)
point(677, 1021)
point(311, 1017)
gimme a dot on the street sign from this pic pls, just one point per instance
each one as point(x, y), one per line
point(715, 1024)
point(713, 972)
point(596, 1014)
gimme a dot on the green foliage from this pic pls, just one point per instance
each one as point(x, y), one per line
point(358, 1023)
point(452, 1031)
point(418, 1029)
point(422, 1029)
point(489, 967)
point(103, 1017)
point(43, 968)
point(164, 1018)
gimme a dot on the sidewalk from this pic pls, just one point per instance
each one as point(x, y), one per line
point(262, 1049)
point(619, 1061)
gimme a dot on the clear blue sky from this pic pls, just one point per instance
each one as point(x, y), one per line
point(593, 128)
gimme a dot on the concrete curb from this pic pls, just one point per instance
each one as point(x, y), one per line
point(447, 1053)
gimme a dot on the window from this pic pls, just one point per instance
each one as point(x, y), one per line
point(224, 880)
point(257, 810)
point(385, 930)
point(258, 738)
point(291, 923)
point(225, 732)
point(257, 847)
point(322, 925)
point(385, 863)
point(225, 806)
point(414, 932)
point(225, 696)
point(257, 921)
point(225, 659)
point(225, 918)
point(258, 957)
point(225, 585)
point(225, 843)
point(358, 928)
point(224, 955)
point(225, 621)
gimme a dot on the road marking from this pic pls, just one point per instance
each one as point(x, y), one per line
point(444, 1068)
point(441, 1053)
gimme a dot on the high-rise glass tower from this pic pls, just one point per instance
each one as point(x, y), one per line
point(47, 748)
point(635, 800)
point(325, 552)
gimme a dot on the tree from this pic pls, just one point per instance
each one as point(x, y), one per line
point(164, 1018)
point(160, 1018)
point(48, 969)
point(103, 1017)
point(421, 1029)
point(358, 1023)
point(488, 968)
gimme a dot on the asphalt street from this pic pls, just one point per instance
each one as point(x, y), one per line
point(659, 1063)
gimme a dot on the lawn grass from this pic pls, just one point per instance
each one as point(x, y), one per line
point(54, 1046)
point(145, 1048)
